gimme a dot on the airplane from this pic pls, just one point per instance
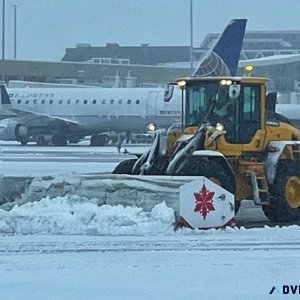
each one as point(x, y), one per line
point(60, 115)
point(291, 112)
point(68, 114)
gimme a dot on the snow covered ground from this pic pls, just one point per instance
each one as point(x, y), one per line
point(32, 160)
point(70, 248)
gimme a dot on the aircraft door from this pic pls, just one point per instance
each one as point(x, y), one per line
point(152, 103)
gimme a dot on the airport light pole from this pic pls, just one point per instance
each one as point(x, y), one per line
point(3, 38)
point(15, 30)
point(192, 34)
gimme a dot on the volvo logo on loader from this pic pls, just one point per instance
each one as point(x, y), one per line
point(204, 204)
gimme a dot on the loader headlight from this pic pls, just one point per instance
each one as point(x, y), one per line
point(226, 82)
point(181, 84)
point(151, 127)
point(220, 127)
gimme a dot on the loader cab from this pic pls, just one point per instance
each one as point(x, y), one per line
point(235, 103)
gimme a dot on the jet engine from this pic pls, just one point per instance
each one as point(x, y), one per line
point(14, 132)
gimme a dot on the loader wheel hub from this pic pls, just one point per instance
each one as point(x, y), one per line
point(292, 191)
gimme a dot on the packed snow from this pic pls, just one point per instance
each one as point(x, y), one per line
point(71, 215)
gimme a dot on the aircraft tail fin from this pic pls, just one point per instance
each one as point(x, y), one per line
point(4, 95)
point(222, 59)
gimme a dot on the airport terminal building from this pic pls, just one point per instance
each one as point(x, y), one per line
point(274, 54)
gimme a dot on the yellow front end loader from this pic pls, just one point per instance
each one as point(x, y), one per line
point(231, 134)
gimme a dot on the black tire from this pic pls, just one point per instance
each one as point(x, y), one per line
point(237, 205)
point(99, 140)
point(24, 142)
point(41, 141)
point(284, 207)
point(159, 166)
point(74, 140)
point(212, 169)
point(125, 167)
point(59, 140)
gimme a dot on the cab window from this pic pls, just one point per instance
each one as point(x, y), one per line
point(195, 106)
point(249, 116)
point(250, 109)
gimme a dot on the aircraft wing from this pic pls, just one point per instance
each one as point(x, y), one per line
point(6, 113)
point(34, 118)
point(29, 117)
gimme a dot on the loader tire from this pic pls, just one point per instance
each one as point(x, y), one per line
point(213, 170)
point(125, 167)
point(285, 193)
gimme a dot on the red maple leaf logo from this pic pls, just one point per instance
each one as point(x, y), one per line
point(204, 201)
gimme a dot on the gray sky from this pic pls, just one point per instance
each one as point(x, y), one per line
point(47, 27)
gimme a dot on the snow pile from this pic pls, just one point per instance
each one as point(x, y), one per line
point(76, 215)
point(12, 187)
point(111, 189)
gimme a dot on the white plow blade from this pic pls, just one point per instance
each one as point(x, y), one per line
point(204, 204)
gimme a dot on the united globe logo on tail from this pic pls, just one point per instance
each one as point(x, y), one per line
point(213, 65)
point(222, 59)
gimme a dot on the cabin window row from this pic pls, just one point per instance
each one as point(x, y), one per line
point(40, 95)
point(78, 101)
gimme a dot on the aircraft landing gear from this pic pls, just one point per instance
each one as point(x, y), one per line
point(24, 142)
point(59, 140)
point(41, 141)
point(98, 140)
